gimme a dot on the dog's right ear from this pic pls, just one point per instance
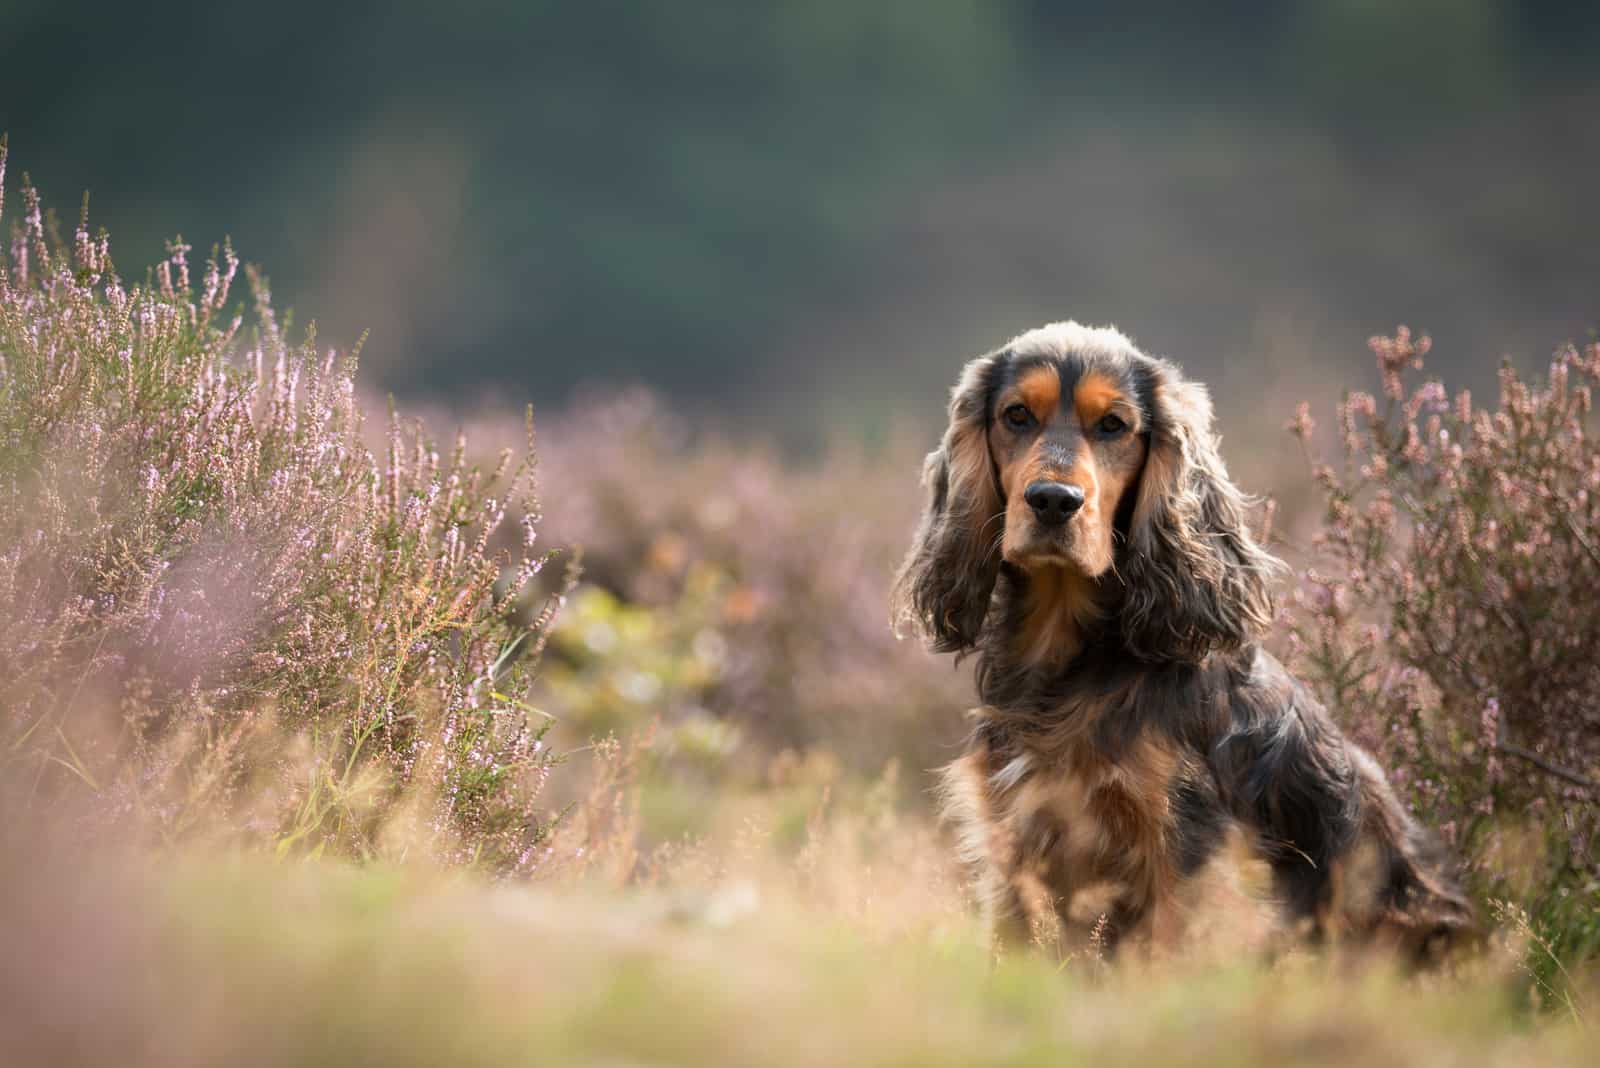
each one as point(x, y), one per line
point(944, 586)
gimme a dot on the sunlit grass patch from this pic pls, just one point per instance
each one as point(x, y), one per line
point(228, 961)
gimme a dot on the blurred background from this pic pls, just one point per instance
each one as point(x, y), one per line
point(797, 219)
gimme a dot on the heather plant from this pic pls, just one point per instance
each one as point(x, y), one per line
point(741, 598)
point(1449, 616)
point(218, 607)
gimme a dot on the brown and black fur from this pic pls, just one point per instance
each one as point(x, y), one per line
point(1140, 766)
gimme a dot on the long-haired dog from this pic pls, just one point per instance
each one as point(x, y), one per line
point(1139, 762)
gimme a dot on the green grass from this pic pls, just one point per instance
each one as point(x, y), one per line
point(243, 961)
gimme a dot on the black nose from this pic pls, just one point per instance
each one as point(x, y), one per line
point(1053, 502)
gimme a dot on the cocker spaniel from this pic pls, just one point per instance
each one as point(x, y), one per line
point(1141, 771)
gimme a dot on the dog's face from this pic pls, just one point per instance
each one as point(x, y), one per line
point(1071, 451)
point(1066, 437)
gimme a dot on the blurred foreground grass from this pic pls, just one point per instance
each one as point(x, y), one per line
point(240, 961)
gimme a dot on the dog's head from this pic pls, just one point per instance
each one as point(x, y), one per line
point(1070, 450)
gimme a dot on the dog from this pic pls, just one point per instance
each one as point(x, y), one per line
point(1141, 771)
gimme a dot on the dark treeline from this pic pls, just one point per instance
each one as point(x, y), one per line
point(721, 198)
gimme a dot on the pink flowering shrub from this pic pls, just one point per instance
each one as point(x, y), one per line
point(1450, 614)
point(741, 598)
point(217, 607)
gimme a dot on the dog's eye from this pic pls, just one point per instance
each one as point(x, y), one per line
point(1018, 417)
point(1112, 425)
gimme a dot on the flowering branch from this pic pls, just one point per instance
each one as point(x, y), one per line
point(1449, 606)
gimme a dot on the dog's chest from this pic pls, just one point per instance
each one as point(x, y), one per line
point(1068, 831)
point(1078, 843)
point(1095, 829)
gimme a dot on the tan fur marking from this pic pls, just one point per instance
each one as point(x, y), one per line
point(1060, 605)
point(1094, 396)
point(1103, 469)
point(1094, 521)
point(1085, 474)
point(1114, 818)
point(1041, 392)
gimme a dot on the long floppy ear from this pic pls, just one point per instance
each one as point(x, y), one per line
point(944, 586)
point(1196, 579)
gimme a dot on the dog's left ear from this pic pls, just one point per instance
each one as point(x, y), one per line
point(1196, 579)
point(944, 586)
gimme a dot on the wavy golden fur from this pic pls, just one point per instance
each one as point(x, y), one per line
point(1140, 769)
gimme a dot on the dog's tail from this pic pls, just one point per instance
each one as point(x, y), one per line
point(1398, 886)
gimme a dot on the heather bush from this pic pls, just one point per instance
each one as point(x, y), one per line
point(741, 599)
point(1449, 616)
point(218, 607)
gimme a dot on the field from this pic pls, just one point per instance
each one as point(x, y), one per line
point(590, 742)
point(239, 960)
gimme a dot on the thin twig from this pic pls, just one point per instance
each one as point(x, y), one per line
point(1588, 547)
point(1540, 762)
